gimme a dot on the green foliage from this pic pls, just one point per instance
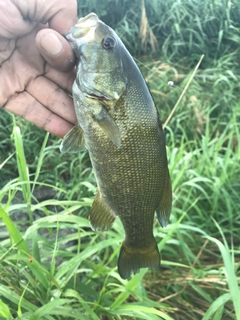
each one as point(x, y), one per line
point(182, 28)
point(58, 268)
point(53, 266)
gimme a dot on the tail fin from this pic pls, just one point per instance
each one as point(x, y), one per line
point(132, 259)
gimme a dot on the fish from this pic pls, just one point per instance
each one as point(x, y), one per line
point(118, 124)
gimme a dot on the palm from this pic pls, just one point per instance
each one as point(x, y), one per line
point(30, 87)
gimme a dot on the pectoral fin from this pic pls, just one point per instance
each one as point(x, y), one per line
point(73, 141)
point(108, 125)
point(164, 209)
point(101, 215)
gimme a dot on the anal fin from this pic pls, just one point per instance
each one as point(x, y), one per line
point(165, 206)
point(101, 215)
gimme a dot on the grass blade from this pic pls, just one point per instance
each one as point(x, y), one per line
point(129, 288)
point(183, 92)
point(4, 311)
point(216, 305)
point(25, 255)
point(21, 162)
point(231, 276)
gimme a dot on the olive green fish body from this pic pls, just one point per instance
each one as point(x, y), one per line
point(126, 145)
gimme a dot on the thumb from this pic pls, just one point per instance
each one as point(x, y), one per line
point(55, 49)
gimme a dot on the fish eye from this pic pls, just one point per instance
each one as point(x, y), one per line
point(108, 43)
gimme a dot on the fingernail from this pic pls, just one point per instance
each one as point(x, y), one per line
point(51, 43)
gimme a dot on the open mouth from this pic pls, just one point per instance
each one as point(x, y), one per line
point(96, 97)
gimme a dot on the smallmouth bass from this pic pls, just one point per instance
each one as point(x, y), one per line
point(119, 125)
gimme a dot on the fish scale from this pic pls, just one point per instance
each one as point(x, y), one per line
point(119, 125)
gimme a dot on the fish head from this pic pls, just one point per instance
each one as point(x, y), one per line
point(99, 52)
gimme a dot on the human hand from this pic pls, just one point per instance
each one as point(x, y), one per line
point(36, 62)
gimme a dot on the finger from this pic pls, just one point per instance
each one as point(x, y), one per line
point(63, 79)
point(12, 24)
point(28, 108)
point(60, 14)
point(62, 20)
point(55, 49)
point(53, 97)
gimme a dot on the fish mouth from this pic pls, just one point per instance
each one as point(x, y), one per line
point(96, 97)
point(90, 20)
point(82, 27)
point(103, 96)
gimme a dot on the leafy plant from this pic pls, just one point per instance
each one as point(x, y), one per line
point(53, 266)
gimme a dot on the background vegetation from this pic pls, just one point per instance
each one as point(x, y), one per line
point(53, 266)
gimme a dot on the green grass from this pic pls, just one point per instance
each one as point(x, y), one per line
point(182, 28)
point(53, 266)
